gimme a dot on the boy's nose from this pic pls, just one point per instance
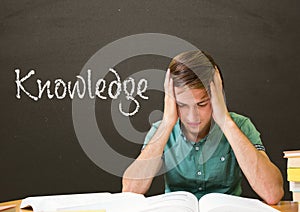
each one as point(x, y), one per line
point(193, 115)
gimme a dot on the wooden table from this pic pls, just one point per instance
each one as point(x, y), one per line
point(284, 206)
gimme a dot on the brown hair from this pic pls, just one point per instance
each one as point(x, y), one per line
point(192, 69)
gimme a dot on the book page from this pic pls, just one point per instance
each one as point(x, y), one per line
point(119, 202)
point(52, 203)
point(87, 202)
point(126, 202)
point(179, 201)
point(214, 202)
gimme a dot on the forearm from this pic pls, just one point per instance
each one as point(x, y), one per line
point(139, 175)
point(263, 176)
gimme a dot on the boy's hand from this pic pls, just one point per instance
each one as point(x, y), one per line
point(170, 108)
point(220, 112)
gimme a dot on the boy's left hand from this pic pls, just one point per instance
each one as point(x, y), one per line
point(220, 112)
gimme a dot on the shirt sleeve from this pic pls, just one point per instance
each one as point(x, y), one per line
point(252, 133)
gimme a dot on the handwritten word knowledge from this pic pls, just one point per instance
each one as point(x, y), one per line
point(83, 87)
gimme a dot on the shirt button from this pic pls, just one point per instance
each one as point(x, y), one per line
point(196, 148)
point(200, 188)
point(222, 158)
point(199, 173)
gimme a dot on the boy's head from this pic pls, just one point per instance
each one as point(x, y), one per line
point(193, 70)
point(192, 73)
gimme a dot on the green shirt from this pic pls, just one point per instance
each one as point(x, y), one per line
point(205, 166)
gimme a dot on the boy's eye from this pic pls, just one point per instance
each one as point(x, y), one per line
point(202, 104)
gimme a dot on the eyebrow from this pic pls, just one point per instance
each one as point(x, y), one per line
point(204, 100)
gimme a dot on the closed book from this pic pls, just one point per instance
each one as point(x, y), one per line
point(294, 186)
point(296, 196)
point(291, 153)
point(293, 174)
point(293, 162)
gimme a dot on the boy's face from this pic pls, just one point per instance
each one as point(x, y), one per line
point(195, 111)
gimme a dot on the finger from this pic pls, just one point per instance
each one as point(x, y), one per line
point(212, 90)
point(217, 80)
point(219, 74)
point(171, 88)
point(167, 78)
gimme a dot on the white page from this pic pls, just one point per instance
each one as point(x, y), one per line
point(215, 202)
point(52, 203)
point(179, 201)
point(119, 202)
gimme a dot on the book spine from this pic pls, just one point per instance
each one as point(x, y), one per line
point(293, 174)
point(293, 153)
point(296, 196)
point(293, 162)
point(294, 186)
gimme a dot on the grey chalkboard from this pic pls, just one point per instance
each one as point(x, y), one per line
point(256, 43)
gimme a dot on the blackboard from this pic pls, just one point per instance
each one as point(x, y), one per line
point(256, 43)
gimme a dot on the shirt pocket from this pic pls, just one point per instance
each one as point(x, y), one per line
point(222, 169)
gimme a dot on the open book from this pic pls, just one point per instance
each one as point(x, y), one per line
point(180, 201)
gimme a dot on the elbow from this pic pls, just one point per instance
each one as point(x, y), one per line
point(127, 186)
point(275, 192)
point(134, 186)
point(274, 197)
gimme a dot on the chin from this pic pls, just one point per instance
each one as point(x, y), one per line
point(195, 130)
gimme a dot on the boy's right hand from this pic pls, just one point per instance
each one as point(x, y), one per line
point(170, 116)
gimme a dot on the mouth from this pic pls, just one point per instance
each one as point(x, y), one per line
point(194, 124)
